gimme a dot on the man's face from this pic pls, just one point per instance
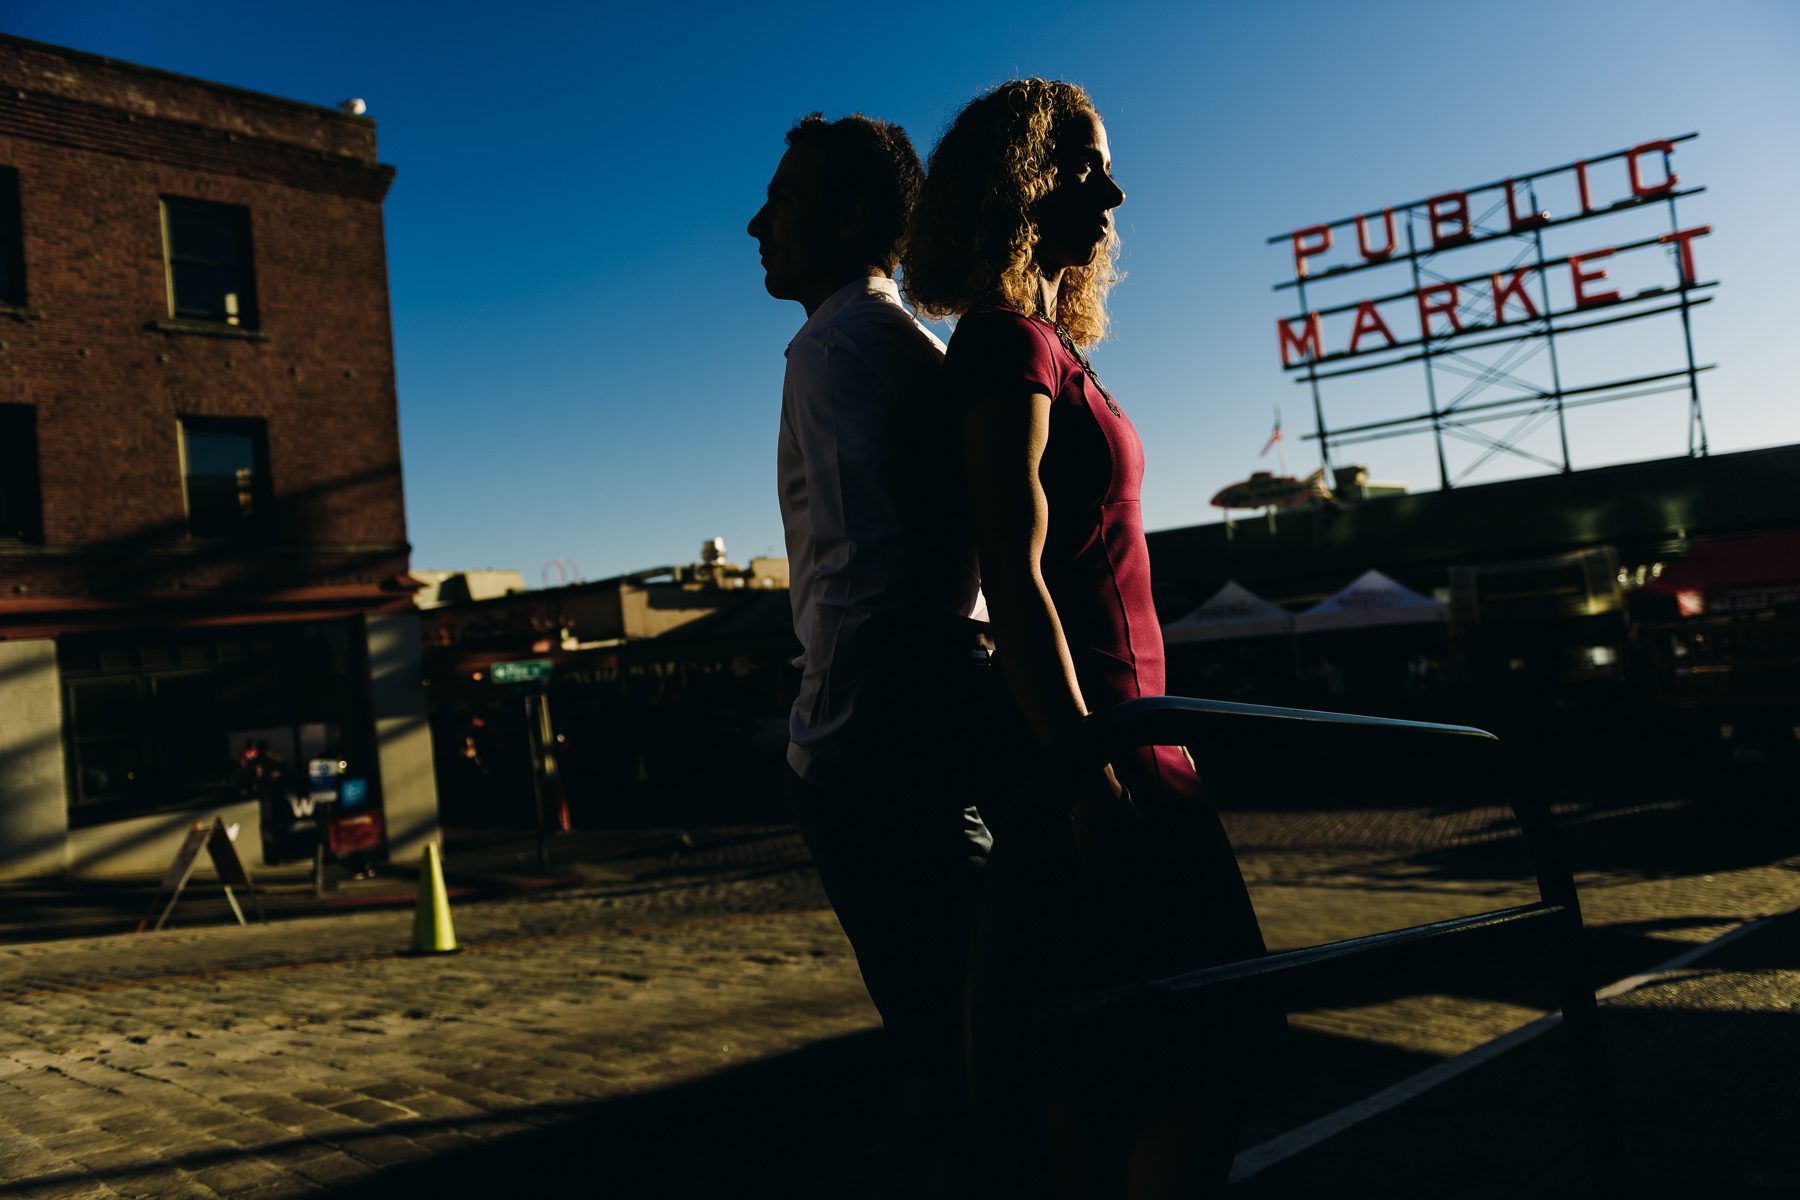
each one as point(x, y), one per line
point(799, 240)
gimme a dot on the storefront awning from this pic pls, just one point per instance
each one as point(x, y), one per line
point(1734, 574)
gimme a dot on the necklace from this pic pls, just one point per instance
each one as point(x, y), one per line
point(1069, 345)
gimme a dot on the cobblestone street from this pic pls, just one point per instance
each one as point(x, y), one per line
point(309, 1054)
point(275, 1060)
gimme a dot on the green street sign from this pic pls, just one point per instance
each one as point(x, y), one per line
point(521, 672)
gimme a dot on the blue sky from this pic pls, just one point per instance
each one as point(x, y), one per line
point(589, 367)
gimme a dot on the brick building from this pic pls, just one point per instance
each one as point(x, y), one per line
point(202, 529)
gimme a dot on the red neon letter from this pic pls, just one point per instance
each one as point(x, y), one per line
point(1446, 306)
point(1515, 219)
point(1369, 321)
point(1685, 239)
point(1638, 187)
point(1579, 277)
point(1362, 236)
point(1513, 287)
point(1307, 345)
point(1587, 205)
point(1304, 250)
point(1450, 209)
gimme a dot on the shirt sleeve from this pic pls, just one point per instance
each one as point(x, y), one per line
point(998, 352)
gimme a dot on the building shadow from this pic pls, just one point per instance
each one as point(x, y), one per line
point(1702, 1093)
point(817, 1122)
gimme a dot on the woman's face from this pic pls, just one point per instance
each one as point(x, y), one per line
point(1074, 219)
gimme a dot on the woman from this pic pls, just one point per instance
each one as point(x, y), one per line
point(1112, 873)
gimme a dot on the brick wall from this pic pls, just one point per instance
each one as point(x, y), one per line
point(55, 72)
point(96, 144)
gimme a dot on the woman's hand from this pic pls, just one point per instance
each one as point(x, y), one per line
point(1101, 801)
point(1102, 821)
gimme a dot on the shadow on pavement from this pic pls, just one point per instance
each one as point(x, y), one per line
point(813, 1123)
point(1703, 1089)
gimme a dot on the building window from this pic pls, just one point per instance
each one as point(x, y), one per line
point(21, 514)
point(208, 252)
point(177, 718)
point(225, 469)
point(12, 241)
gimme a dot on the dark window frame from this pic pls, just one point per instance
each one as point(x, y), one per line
point(247, 317)
point(261, 517)
point(21, 491)
point(12, 240)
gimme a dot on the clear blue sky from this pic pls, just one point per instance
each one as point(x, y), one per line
point(589, 367)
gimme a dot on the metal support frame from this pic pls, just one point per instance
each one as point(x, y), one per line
point(1437, 428)
point(1312, 377)
point(1696, 419)
point(1537, 245)
point(1533, 406)
point(1549, 929)
point(538, 741)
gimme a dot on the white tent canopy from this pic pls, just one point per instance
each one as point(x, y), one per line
point(1372, 599)
point(1233, 612)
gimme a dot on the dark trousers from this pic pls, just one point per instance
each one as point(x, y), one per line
point(900, 852)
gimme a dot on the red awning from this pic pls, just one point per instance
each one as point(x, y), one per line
point(1734, 573)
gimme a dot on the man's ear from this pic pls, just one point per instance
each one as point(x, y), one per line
point(853, 221)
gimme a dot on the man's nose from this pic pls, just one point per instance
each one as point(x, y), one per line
point(756, 221)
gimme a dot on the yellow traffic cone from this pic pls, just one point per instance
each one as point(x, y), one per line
point(432, 931)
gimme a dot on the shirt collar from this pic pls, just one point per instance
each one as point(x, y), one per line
point(857, 289)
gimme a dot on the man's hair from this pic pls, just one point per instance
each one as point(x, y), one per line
point(871, 162)
point(974, 231)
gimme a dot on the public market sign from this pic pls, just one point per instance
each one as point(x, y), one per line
point(1449, 309)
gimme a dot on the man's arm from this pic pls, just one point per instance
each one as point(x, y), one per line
point(846, 423)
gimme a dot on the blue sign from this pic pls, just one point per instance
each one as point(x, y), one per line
point(322, 778)
point(353, 793)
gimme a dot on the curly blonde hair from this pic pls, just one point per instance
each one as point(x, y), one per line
point(973, 232)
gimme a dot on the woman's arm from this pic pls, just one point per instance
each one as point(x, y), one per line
point(1003, 446)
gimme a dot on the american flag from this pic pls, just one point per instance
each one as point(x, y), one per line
point(1273, 437)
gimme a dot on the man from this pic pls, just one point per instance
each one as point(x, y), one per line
point(884, 583)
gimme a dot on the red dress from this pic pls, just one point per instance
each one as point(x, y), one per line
point(1167, 896)
point(1095, 562)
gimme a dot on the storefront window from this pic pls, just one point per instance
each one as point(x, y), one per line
point(170, 719)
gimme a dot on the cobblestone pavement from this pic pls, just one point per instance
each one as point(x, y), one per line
point(486, 864)
point(285, 1059)
point(1635, 922)
point(1704, 1061)
point(272, 1061)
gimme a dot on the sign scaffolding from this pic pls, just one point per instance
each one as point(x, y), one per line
point(1482, 326)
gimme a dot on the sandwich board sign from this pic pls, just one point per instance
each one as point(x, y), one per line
point(219, 842)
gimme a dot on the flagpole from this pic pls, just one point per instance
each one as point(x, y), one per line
point(1280, 444)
